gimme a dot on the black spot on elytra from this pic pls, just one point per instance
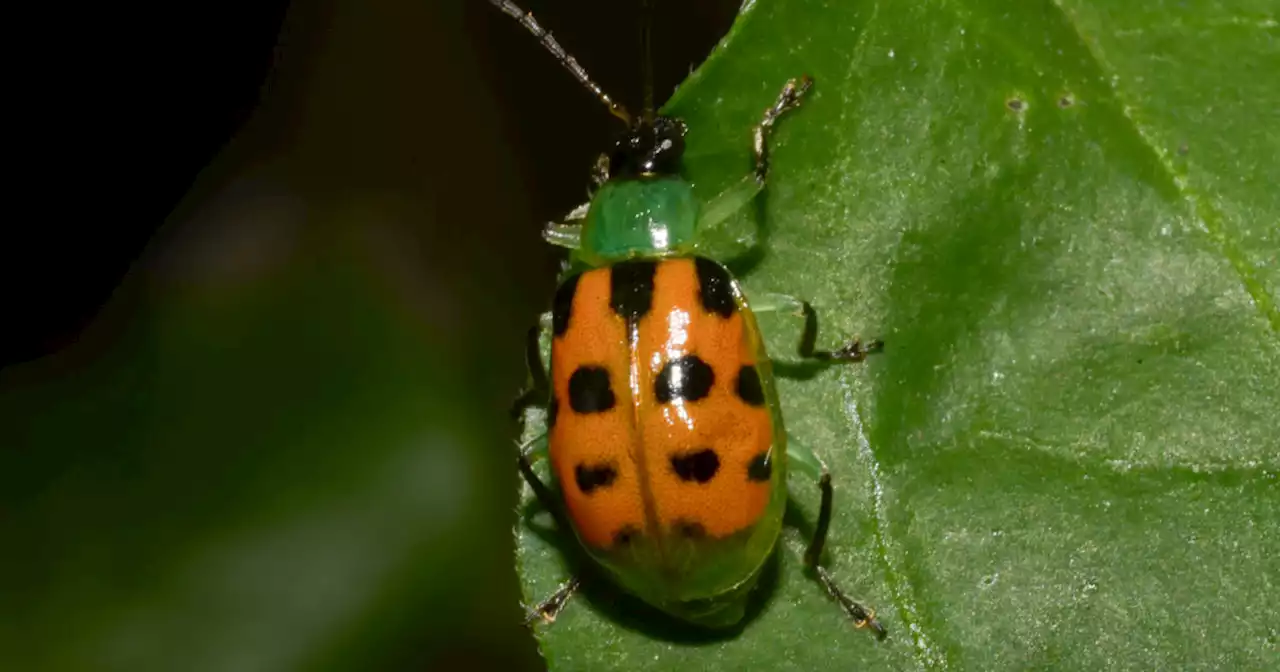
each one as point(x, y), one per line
point(562, 305)
point(715, 288)
point(625, 535)
point(589, 390)
point(761, 467)
point(689, 529)
point(687, 378)
point(553, 409)
point(594, 477)
point(631, 288)
point(749, 389)
point(699, 465)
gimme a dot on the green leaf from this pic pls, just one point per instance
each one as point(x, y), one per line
point(1062, 219)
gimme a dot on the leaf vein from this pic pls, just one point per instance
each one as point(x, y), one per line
point(1208, 217)
point(927, 654)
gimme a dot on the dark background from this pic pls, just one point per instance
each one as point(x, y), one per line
point(192, 355)
point(125, 107)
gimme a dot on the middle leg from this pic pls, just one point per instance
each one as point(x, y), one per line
point(852, 351)
point(538, 389)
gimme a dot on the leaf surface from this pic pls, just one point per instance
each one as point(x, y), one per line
point(1062, 218)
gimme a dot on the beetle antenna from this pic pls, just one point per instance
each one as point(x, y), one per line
point(580, 73)
point(646, 42)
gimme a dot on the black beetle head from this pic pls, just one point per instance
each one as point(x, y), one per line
point(648, 149)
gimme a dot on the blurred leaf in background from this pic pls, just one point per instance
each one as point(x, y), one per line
point(283, 444)
point(1062, 217)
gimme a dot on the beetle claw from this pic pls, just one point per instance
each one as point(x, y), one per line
point(870, 622)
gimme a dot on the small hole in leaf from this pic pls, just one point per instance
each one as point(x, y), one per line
point(1016, 104)
point(1066, 101)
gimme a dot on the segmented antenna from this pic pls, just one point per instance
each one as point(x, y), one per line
point(646, 39)
point(531, 24)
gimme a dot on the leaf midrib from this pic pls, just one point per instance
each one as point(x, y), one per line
point(1206, 214)
point(926, 653)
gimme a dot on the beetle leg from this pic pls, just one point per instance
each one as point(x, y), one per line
point(788, 99)
point(539, 389)
point(853, 351)
point(763, 302)
point(568, 233)
point(535, 450)
point(811, 465)
point(548, 609)
point(726, 203)
point(532, 452)
point(719, 209)
point(567, 236)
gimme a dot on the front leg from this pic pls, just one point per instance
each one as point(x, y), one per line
point(788, 99)
point(567, 234)
point(736, 197)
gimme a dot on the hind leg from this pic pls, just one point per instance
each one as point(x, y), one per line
point(811, 466)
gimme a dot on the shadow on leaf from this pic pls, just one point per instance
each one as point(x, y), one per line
point(629, 611)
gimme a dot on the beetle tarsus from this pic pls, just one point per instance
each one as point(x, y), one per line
point(870, 622)
point(788, 99)
point(550, 608)
point(862, 617)
point(853, 351)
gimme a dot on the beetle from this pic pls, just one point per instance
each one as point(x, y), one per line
point(665, 436)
